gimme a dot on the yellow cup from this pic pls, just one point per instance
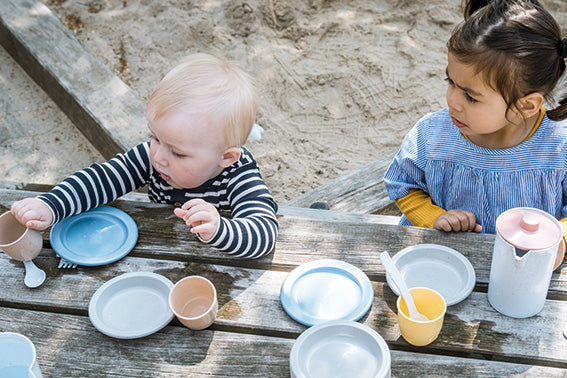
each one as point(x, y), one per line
point(431, 304)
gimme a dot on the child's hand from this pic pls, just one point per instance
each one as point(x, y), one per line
point(457, 220)
point(203, 217)
point(32, 213)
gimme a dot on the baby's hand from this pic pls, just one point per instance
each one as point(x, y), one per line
point(32, 213)
point(203, 217)
point(457, 220)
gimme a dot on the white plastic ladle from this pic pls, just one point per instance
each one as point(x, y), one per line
point(396, 276)
point(34, 276)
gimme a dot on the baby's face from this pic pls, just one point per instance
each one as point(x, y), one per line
point(185, 149)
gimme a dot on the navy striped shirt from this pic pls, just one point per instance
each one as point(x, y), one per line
point(251, 231)
point(457, 174)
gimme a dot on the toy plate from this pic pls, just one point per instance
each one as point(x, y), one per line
point(326, 290)
point(437, 267)
point(99, 236)
point(340, 349)
point(131, 305)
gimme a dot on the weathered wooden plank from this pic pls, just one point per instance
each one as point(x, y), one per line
point(103, 107)
point(359, 191)
point(339, 216)
point(69, 346)
point(163, 235)
point(73, 348)
point(249, 302)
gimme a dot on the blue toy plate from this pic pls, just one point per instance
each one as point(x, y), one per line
point(325, 290)
point(97, 237)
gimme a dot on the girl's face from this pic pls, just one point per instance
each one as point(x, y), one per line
point(479, 111)
point(185, 149)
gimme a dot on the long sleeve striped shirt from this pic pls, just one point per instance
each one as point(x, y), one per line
point(250, 232)
point(457, 174)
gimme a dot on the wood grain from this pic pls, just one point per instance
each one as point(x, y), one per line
point(360, 191)
point(104, 109)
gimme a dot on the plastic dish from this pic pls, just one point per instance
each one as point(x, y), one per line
point(131, 305)
point(437, 267)
point(326, 290)
point(99, 236)
point(340, 349)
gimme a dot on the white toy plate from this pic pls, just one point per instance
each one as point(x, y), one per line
point(131, 305)
point(437, 267)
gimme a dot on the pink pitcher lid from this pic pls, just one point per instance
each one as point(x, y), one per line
point(528, 228)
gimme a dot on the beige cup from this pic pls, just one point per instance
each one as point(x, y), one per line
point(193, 300)
point(18, 241)
point(431, 304)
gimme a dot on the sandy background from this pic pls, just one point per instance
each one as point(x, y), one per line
point(341, 81)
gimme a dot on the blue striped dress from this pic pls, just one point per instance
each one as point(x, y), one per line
point(457, 174)
point(251, 231)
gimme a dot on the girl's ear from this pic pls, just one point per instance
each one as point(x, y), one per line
point(229, 157)
point(531, 104)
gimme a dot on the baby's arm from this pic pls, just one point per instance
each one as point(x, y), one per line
point(33, 213)
point(99, 183)
point(252, 230)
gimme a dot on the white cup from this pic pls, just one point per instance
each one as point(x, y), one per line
point(17, 356)
point(193, 300)
point(18, 241)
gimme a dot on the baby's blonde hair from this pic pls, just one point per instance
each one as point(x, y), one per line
point(212, 88)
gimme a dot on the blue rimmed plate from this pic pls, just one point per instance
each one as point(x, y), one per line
point(97, 237)
point(325, 290)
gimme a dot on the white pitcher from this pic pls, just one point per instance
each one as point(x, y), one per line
point(525, 249)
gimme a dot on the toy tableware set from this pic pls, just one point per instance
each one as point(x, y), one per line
point(23, 244)
point(330, 296)
point(421, 310)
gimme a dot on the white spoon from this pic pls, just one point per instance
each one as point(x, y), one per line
point(396, 276)
point(34, 276)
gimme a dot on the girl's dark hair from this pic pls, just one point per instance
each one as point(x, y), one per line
point(516, 46)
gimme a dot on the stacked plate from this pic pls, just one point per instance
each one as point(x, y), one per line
point(330, 295)
point(326, 290)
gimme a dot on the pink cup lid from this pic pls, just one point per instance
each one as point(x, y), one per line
point(528, 228)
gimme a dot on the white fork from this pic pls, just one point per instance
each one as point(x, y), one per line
point(63, 263)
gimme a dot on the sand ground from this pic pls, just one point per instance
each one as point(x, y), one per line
point(341, 81)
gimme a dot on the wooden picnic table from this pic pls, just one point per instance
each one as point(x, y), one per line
point(253, 335)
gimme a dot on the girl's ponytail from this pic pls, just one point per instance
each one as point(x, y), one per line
point(559, 113)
